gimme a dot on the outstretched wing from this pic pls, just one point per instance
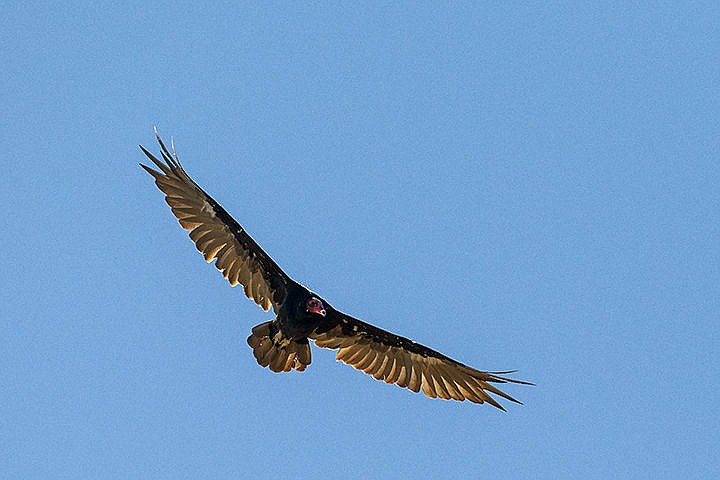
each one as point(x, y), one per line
point(216, 234)
point(401, 361)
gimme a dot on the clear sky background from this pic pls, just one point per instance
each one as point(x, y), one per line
point(520, 186)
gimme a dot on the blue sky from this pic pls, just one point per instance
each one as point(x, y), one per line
point(520, 186)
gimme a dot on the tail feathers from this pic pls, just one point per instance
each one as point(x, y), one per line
point(281, 354)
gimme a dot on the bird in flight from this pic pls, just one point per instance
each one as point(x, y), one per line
point(301, 315)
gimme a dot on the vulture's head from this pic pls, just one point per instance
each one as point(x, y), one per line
point(314, 306)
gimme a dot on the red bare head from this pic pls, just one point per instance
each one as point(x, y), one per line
point(314, 305)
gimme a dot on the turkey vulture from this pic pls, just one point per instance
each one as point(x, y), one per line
point(282, 343)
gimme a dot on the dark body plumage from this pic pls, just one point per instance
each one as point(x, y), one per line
point(282, 344)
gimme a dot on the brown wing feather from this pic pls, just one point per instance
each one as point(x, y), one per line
point(394, 359)
point(217, 235)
